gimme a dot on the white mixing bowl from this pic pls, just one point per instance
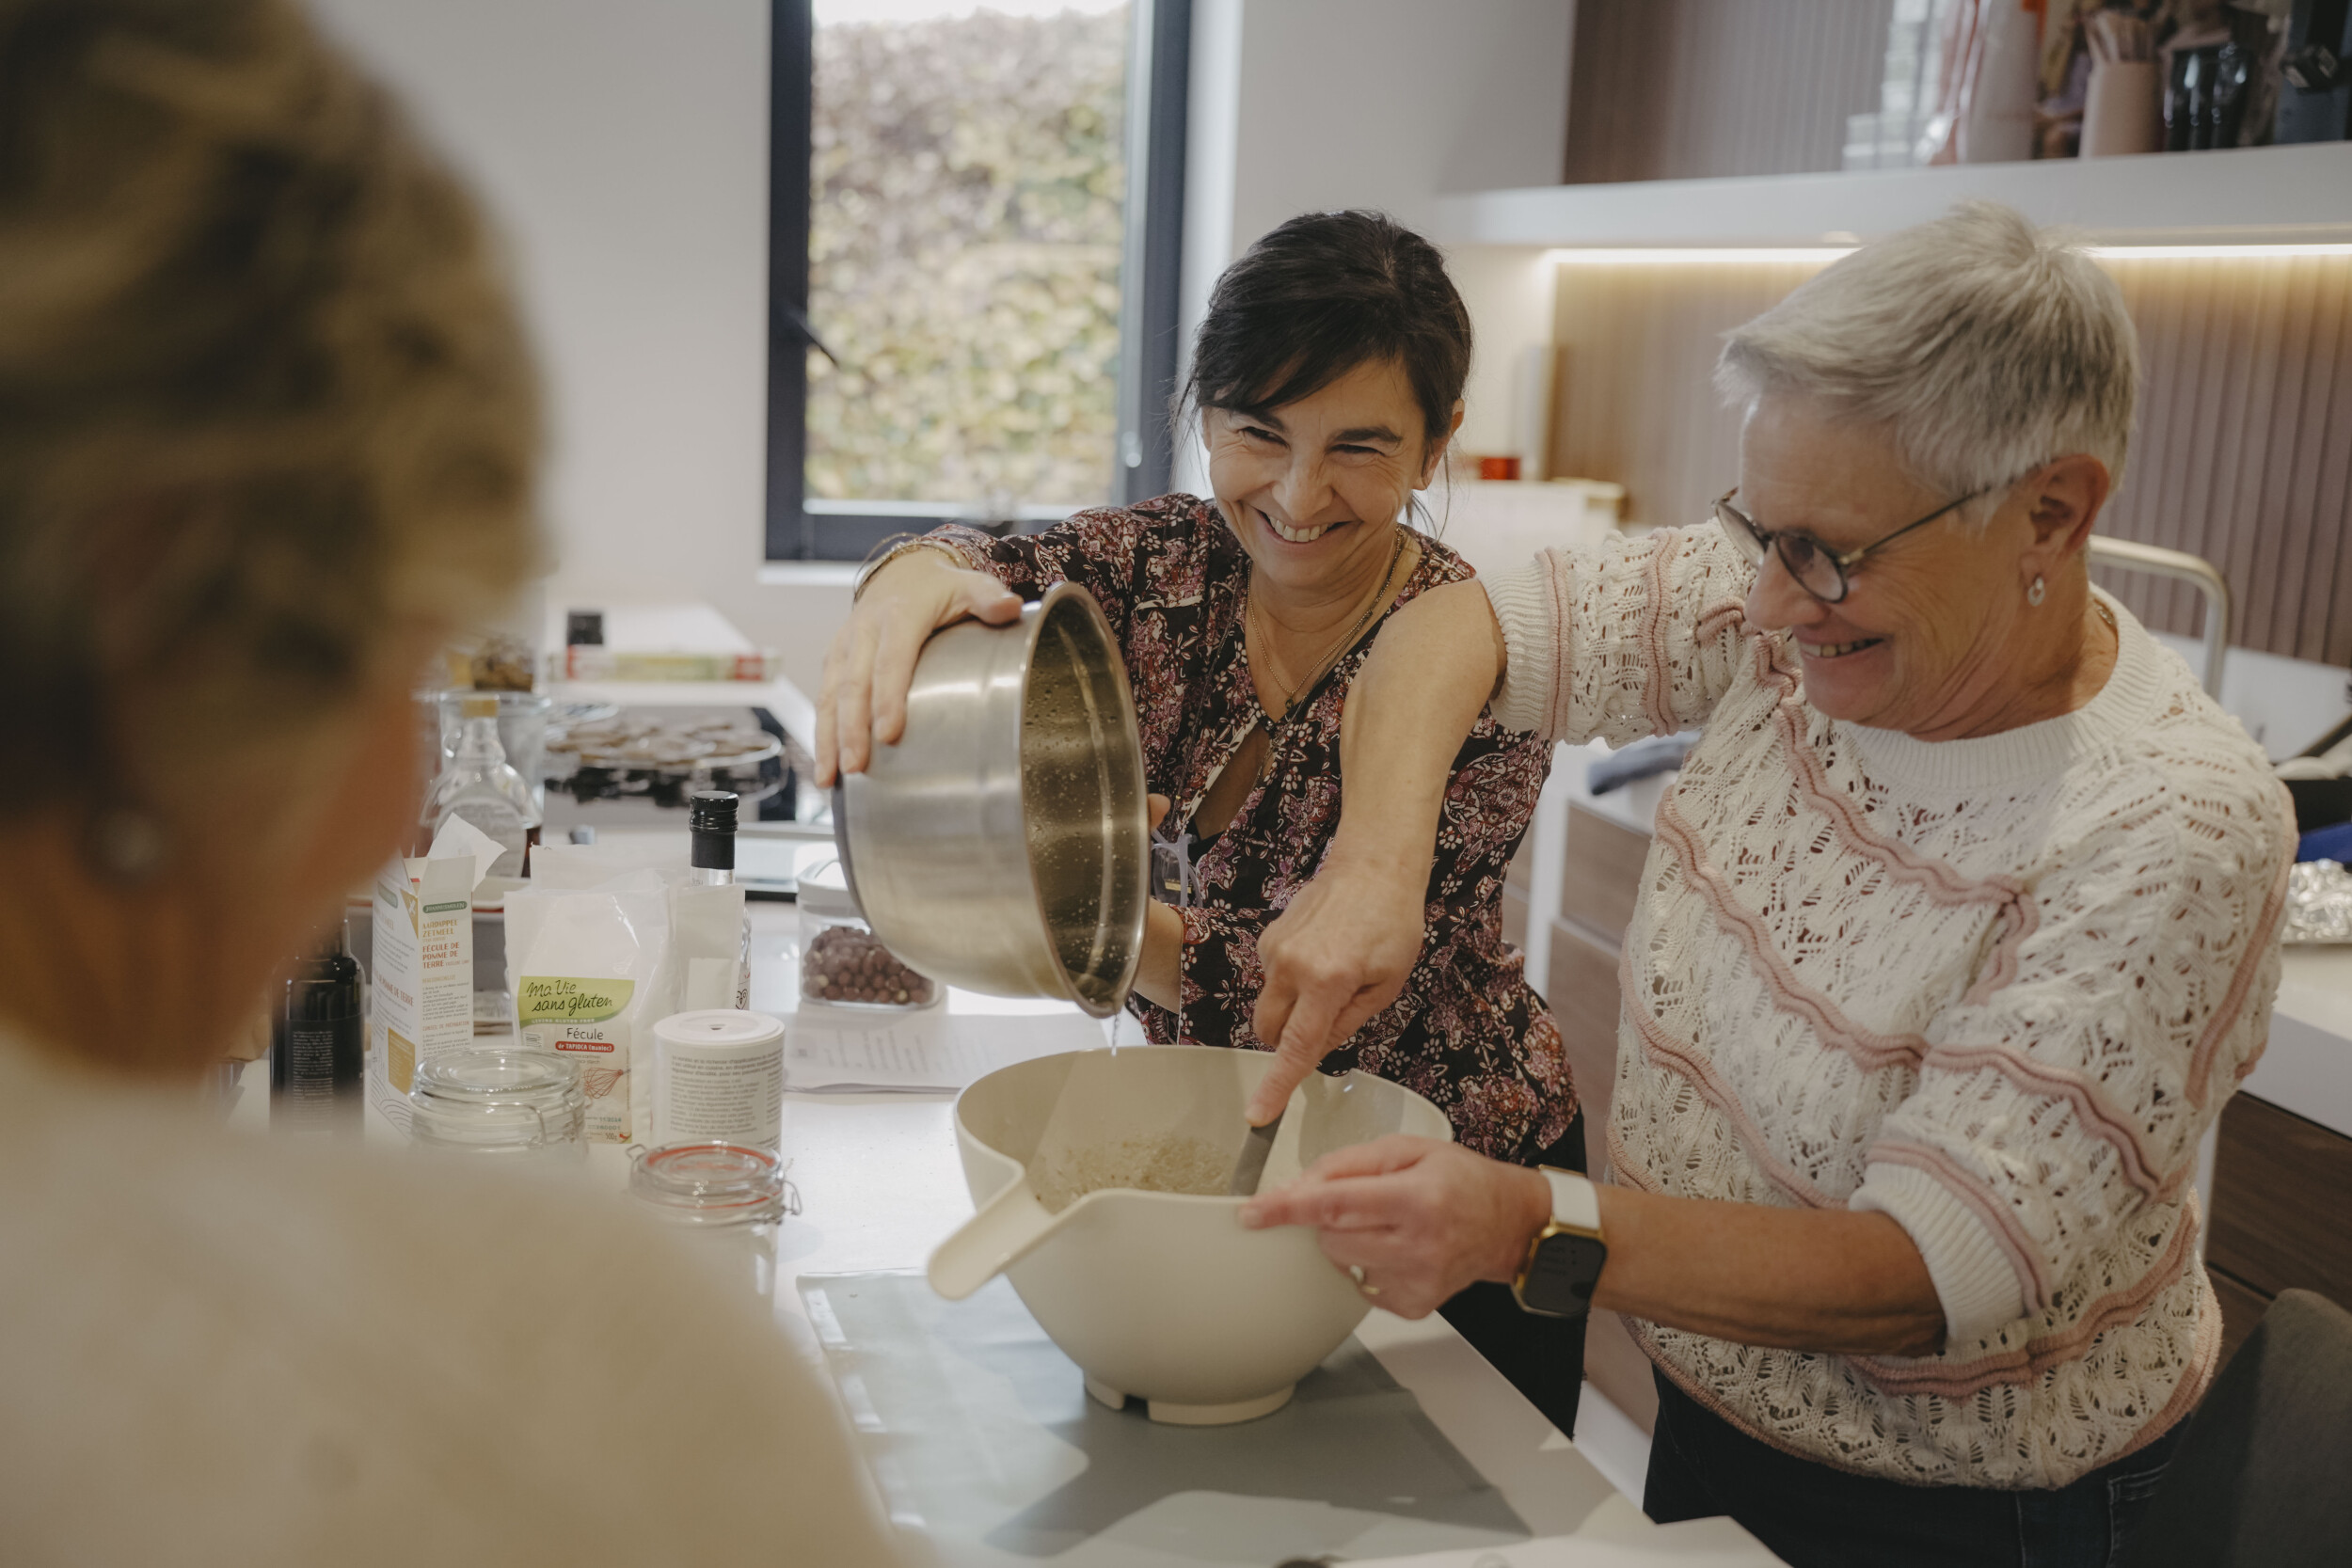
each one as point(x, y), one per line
point(1166, 1296)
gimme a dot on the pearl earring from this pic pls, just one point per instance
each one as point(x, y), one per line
point(2035, 593)
point(125, 845)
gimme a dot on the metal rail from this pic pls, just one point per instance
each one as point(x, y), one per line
point(2184, 567)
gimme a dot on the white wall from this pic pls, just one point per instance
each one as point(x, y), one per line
point(1305, 105)
point(623, 147)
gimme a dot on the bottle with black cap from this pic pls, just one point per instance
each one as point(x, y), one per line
point(316, 1044)
point(710, 832)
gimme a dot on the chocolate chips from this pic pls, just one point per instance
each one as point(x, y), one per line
point(844, 964)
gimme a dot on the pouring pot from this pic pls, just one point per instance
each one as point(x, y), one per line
point(1001, 845)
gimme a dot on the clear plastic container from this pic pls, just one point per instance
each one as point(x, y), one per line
point(843, 964)
point(503, 1103)
point(712, 1183)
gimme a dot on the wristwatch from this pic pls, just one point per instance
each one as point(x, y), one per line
point(1564, 1262)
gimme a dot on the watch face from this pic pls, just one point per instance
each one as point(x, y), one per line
point(1561, 1275)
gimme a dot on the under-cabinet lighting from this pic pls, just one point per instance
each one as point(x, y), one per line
point(2214, 252)
point(1668, 256)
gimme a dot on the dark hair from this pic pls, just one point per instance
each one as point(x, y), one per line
point(1320, 295)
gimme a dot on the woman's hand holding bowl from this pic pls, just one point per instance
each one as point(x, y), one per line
point(1420, 1219)
point(871, 662)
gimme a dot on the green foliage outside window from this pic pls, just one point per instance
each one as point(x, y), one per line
point(965, 251)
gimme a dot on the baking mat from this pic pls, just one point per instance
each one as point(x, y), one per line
point(983, 1437)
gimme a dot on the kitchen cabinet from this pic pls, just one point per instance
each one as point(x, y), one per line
point(1600, 873)
point(2281, 1213)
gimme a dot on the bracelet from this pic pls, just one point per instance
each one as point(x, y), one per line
point(904, 547)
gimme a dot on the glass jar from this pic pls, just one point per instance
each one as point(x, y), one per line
point(508, 1103)
point(712, 1183)
point(729, 1197)
point(843, 964)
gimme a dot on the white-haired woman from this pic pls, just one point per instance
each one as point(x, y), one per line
point(1958, 928)
point(267, 435)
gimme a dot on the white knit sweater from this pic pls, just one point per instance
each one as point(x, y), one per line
point(1995, 989)
point(224, 1349)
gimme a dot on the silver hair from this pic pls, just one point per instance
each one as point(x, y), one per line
point(1984, 345)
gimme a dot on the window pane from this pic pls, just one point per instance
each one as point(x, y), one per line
point(967, 174)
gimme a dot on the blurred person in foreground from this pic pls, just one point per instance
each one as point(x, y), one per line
point(268, 435)
point(1960, 926)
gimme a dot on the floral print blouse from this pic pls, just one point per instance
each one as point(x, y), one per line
point(1467, 1033)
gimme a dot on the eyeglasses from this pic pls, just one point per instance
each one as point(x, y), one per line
point(1817, 569)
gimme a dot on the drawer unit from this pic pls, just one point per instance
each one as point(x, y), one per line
point(1602, 872)
point(2282, 1211)
point(1583, 998)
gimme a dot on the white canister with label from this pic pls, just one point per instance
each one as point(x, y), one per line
point(719, 1073)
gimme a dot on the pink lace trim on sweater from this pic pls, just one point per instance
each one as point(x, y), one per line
point(2241, 982)
point(1873, 1049)
point(2204, 1356)
point(1696, 1070)
point(1946, 886)
point(1789, 994)
point(1962, 1379)
point(1957, 1380)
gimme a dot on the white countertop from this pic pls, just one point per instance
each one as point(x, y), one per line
point(882, 1183)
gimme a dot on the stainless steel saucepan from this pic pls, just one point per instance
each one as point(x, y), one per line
point(1001, 845)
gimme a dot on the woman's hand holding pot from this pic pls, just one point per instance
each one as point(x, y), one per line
point(1413, 1220)
point(871, 662)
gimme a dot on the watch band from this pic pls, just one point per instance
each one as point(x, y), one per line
point(1564, 1260)
point(1575, 1204)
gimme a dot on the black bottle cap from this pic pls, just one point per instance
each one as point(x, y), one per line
point(711, 810)
point(583, 628)
point(710, 821)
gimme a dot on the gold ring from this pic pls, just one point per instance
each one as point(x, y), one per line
point(1356, 1273)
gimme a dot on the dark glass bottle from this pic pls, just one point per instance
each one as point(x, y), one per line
point(315, 1051)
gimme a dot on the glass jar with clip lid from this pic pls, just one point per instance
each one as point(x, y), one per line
point(730, 1196)
point(504, 1103)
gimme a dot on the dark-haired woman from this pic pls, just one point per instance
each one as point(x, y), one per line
point(1327, 378)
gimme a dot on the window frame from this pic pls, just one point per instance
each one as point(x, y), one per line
point(802, 530)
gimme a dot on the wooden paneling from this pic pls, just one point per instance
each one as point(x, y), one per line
point(2242, 450)
point(1640, 404)
point(2241, 454)
point(1758, 87)
point(2281, 1202)
point(1602, 874)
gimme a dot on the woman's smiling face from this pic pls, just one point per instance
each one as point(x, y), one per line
point(1929, 634)
point(1310, 488)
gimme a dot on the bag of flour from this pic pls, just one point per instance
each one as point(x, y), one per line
point(606, 942)
point(590, 973)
